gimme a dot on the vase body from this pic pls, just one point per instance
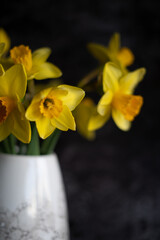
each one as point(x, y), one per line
point(32, 198)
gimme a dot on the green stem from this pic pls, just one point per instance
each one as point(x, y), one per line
point(22, 148)
point(12, 141)
point(34, 145)
point(31, 87)
point(6, 146)
point(49, 144)
point(90, 76)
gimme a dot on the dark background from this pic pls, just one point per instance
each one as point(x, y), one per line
point(112, 183)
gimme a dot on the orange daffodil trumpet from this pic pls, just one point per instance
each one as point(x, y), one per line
point(118, 99)
point(13, 85)
point(35, 63)
point(51, 108)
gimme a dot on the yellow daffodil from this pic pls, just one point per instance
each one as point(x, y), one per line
point(118, 99)
point(35, 64)
point(82, 116)
point(51, 108)
point(5, 39)
point(122, 56)
point(13, 84)
point(2, 45)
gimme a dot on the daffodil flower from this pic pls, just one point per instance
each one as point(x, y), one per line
point(5, 39)
point(51, 108)
point(35, 64)
point(2, 46)
point(82, 114)
point(13, 84)
point(118, 99)
point(122, 56)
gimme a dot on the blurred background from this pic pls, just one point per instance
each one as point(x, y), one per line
point(112, 183)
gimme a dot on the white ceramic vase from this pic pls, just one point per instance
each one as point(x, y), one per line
point(32, 198)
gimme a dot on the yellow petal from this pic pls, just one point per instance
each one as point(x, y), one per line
point(2, 72)
point(120, 120)
point(46, 70)
point(82, 115)
point(99, 52)
point(105, 100)
point(65, 120)
point(74, 96)
point(40, 55)
point(125, 56)
point(21, 128)
point(58, 92)
point(131, 80)
point(40, 95)
point(14, 82)
point(44, 127)
point(6, 62)
point(5, 39)
point(6, 128)
point(111, 75)
point(42, 85)
point(114, 43)
point(33, 111)
point(2, 45)
point(97, 121)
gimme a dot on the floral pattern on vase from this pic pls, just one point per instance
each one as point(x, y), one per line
point(32, 200)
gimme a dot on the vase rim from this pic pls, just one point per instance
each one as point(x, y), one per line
point(27, 156)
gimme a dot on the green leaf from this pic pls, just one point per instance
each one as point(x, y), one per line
point(49, 144)
point(34, 145)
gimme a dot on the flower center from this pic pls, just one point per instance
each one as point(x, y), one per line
point(6, 106)
point(51, 107)
point(128, 105)
point(22, 54)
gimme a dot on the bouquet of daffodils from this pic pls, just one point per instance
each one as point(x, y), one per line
point(33, 115)
point(27, 113)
